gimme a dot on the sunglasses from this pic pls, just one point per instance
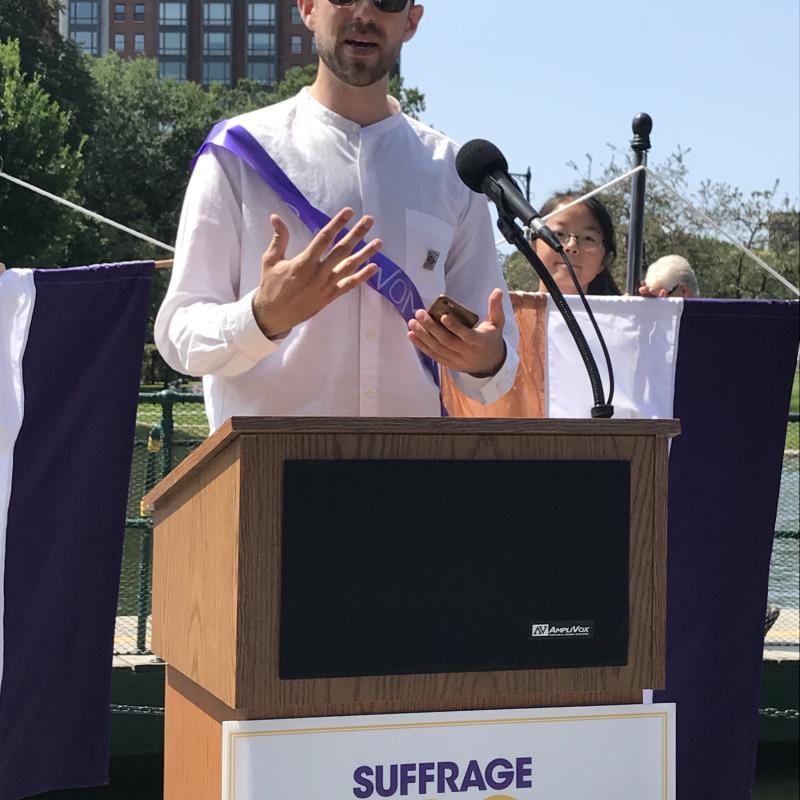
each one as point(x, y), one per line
point(388, 6)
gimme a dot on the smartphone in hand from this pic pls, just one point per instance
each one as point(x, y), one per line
point(446, 305)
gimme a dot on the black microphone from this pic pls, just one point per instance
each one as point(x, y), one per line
point(485, 170)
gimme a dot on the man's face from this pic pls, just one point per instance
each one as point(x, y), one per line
point(358, 43)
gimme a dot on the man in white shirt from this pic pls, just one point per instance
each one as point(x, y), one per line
point(287, 325)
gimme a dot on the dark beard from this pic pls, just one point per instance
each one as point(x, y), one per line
point(356, 73)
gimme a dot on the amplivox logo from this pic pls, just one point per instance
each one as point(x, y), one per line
point(580, 629)
point(443, 777)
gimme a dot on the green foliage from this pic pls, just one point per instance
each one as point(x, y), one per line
point(33, 130)
point(519, 274)
point(294, 80)
point(247, 95)
point(155, 371)
point(147, 130)
point(411, 100)
point(62, 67)
point(137, 159)
point(671, 227)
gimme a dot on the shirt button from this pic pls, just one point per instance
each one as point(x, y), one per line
point(371, 335)
point(370, 393)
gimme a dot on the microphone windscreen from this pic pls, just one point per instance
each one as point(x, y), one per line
point(477, 159)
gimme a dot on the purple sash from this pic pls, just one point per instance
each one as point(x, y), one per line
point(390, 280)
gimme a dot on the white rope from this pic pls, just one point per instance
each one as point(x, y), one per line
point(732, 239)
point(86, 211)
point(599, 189)
point(586, 196)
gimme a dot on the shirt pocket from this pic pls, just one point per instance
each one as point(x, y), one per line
point(428, 241)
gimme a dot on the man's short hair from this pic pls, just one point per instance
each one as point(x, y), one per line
point(668, 271)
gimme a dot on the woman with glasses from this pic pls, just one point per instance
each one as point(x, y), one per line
point(587, 233)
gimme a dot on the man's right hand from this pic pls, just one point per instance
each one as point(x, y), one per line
point(294, 290)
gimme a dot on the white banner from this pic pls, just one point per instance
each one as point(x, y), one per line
point(642, 341)
point(603, 753)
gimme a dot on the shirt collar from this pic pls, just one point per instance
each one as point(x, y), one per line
point(307, 104)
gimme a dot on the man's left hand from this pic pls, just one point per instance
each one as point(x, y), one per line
point(478, 351)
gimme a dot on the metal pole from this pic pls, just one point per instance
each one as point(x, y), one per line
point(167, 427)
point(527, 177)
point(144, 593)
point(145, 588)
point(642, 126)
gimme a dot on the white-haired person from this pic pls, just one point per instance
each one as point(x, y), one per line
point(670, 276)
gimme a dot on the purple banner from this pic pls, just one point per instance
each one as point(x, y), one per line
point(736, 363)
point(66, 520)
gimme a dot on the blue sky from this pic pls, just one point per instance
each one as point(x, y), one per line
point(549, 82)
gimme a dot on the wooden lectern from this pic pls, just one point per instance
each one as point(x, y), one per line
point(328, 566)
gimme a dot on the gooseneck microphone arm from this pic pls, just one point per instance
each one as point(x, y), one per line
point(484, 169)
point(514, 234)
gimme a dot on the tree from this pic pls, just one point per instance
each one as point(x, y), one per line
point(295, 79)
point(146, 131)
point(671, 227)
point(412, 101)
point(137, 159)
point(33, 129)
point(62, 67)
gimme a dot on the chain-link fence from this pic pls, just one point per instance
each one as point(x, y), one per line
point(784, 591)
point(169, 425)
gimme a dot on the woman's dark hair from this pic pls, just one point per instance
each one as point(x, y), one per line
point(603, 283)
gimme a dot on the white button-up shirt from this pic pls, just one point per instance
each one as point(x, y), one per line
point(353, 358)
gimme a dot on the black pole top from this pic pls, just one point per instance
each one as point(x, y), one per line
point(642, 125)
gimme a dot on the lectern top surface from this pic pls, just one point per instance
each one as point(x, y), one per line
point(407, 426)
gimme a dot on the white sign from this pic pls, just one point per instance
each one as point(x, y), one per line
point(603, 753)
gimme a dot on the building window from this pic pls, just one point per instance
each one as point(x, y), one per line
point(261, 14)
point(119, 42)
point(296, 18)
point(119, 12)
point(313, 44)
point(172, 13)
point(138, 12)
point(297, 45)
point(262, 71)
point(217, 14)
point(87, 40)
point(216, 71)
point(216, 43)
point(83, 13)
point(172, 69)
point(138, 43)
point(172, 43)
point(260, 43)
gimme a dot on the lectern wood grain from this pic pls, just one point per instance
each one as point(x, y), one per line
point(217, 562)
point(195, 576)
point(192, 749)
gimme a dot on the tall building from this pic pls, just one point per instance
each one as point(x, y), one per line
point(196, 40)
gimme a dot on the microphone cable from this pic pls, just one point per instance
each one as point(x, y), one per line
point(600, 409)
point(596, 327)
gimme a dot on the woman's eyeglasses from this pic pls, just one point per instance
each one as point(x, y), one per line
point(389, 6)
point(588, 242)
